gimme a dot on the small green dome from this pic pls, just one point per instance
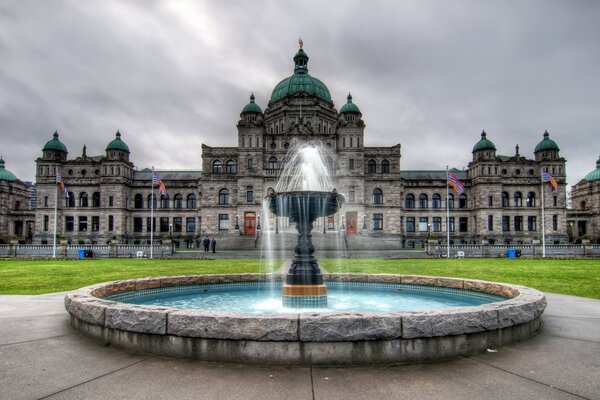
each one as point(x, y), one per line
point(55, 144)
point(349, 106)
point(484, 143)
point(546, 144)
point(595, 174)
point(118, 144)
point(301, 82)
point(252, 107)
point(6, 175)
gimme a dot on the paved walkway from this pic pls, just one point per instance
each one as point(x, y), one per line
point(41, 357)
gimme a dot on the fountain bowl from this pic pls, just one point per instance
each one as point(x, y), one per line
point(309, 205)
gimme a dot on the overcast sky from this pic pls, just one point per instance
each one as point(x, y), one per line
point(171, 75)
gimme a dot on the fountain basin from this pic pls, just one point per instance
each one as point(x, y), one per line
point(323, 337)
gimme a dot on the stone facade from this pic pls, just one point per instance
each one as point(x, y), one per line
point(584, 215)
point(16, 214)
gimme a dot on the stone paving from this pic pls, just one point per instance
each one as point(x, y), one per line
point(42, 357)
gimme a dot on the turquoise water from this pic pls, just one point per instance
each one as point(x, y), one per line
point(265, 297)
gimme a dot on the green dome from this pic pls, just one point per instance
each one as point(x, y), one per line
point(484, 143)
point(55, 144)
point(300, 82)
point(595, 174)
point(6, 175)
point(252, 107)
point(546, 144)
point(118, 144)
point(349, 106)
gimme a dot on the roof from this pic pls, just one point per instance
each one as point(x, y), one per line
point(595, 174)
point(6, 175)
point(252, 107)
point(432, 175)
point(546, 144)
point(146, 174)
point(55, 145)
point(349, 106)
point(484, 143)
point(118, 144)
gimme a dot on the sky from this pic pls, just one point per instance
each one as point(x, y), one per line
point(172, 75)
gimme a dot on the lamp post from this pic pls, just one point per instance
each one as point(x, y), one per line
point(258, 223)
point(237, 224)
point(343, 227)
point(364, 221)
point(428, 238)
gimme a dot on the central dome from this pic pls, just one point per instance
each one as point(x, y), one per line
point(301, 82)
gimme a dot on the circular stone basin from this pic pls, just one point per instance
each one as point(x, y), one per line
point(305, 337)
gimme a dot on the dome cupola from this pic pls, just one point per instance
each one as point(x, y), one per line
point(6, 175)
point(595, 174)
point(349, 107)
point(251, 107)
point(484, 143)
point(546, 144)
point(55, 145)
point(118, 144)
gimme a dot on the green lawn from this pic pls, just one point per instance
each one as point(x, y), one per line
point(574, 277)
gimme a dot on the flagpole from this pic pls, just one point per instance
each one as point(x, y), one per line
point(55, 219)
point(151, 211)
point(447, 216)
point(543, 214)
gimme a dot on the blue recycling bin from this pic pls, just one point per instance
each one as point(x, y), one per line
point(81, 254)
point(511, 253)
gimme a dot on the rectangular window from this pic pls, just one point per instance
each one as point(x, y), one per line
point(250, 164)
point(83, 224)
point(463, 224)
point(177, 224)
point(164, 224)
point(377, 222)
point(451, 225)
point(69, 224)
point(138, 224)
point(46, 221)
point(45, 201)
point(423, 224)
point(351, 163)
point(555, 201)
point(111, 201)
point(223, 222)
point(505, 223)
point(490, 223)
point(352, 194)
point(250, 194)
point(531, 223)
point(190, 224)
point(111, 223)
point(410, 224)
point(490, 201)
point(437, 224)
point(555, 222)
point(148, 224)
point(518, 223)
point(95, 224)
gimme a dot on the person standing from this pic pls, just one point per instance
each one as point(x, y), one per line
point(206, 243)
point(213, 244)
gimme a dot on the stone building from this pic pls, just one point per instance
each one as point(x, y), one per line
point(16, 216)
point(109, 199)
point(584, 215)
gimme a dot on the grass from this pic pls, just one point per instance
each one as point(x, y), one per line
point(573, 277)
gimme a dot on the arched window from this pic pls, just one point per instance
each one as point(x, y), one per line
point(164, 201)
point(287, 146)
point(71, 200)
point(436, 201)
point(531, 199)
point(230, 167)
point(151, 201)
point(450, 200)
point(371, 167)
point(178, 201)
point(518, 199)
point(505, 199)
point(273, 145)
point(191, 201)
point(377, 196)
point(96, 199)
point(385, 167)
point(409, 201)
point(224, 196)
point(138, 201)
point(273, 162)
point(423, 200)
point(83, 199)
point(217, 167)
point(462, 201)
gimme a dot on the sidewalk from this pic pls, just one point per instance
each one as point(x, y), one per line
point(41, 357)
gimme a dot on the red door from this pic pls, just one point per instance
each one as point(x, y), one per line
point(249, 223)
point(351, 221)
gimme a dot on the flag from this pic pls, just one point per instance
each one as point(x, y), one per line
point(60, 181)
point(455, 184)
point(546, 177)
point(162, 189)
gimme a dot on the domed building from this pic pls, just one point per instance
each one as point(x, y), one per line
point(16, 214)
point(584, 216)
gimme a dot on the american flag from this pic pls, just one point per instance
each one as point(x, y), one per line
point(455, 184)
point(546, 177)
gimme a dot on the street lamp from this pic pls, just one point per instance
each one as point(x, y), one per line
point(237, 225)
point(343, 227)
point(258, 223)
point(364, 221)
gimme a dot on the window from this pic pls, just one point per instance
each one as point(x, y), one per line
point(273, 145)
point(423, 201)
point(351, 194)
point(164, 201)
point(177, 224)
point(224, 196)
point(436, 201)
point(531, 199)
point(505, 223)
point(377, 196)
point(95, 199)
point(217, 167)
point(138, 224)
point(190, 224)
point(423, 224)
point(287, 145)
point(148, 224)
point(371, 167)
point(518, 199)
point(223, 222)
point(409, 201)
point(138, 201)
point(45, 201)
point(249, 164)
point(505, 199)
point(69, 224)
point(555, 201)
point(70, 201)
point(377, 222)
point(83, 199)
point(490, 223)
point(111, 223)
point(555, 222)
point(151, 201)
point(164, 224)
point(463, 225)
point(518, 223)
point(385, 167)
point(451, 226)
point(230, 167)
point(273, 163)
point(250, 194)
point(83, 223)
point(462, 201)
point(531, 223)
point(490, 201)
point(111, 201)
point(178, 201)
point(46, 222)
point(437, 224)
point(95, 224)
point(450, 200)
point(191, 201)
point(351, 163)
point(410, 224)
